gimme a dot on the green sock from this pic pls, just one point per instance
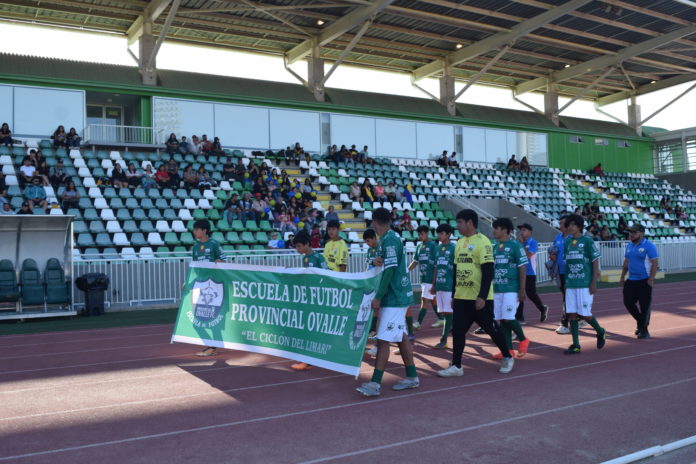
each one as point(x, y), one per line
point(507, 333)
point(439, 316)
point(595, 325)
point(421, 314)
point(373, 326)
point(517, 328)
point(574, 331)
point(447, 327)
point(409, 324)
point(411, 371)
point(377, 376)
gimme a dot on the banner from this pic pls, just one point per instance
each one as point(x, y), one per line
point(311, 315)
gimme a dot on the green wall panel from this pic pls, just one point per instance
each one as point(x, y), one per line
point(565, 154)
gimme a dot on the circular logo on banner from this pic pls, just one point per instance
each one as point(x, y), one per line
point(206, 299)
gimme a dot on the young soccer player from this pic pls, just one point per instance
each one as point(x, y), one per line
point(443, 280)
point(424, 258)
point(531, 247)
point(392, 298)
point(206, 249)
point(370, 237)
point(508, 284)
point(582, 272)
point(336, 250)
point(303, 245)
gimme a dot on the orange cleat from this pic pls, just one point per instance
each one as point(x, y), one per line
point(300, 366)
point(524, 346)
point(499, 355)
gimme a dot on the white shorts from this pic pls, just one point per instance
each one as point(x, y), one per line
point(425, 291)
point(444, 302)
point(392, 324)
point(505, 306)
point(579, 301)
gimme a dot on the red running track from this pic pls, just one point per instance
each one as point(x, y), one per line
point(127, 395)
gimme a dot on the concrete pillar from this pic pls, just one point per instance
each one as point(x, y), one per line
point(551, 105)
point(146, 45)
point(634, 116)
point(447, 92)
point(316, 74)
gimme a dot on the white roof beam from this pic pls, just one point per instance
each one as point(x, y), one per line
point(497, 40)
point(645, 89)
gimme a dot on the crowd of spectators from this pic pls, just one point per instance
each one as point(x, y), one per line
point(521, 165)
point(447, 161)
point(196, 146)
point(68, 140)
point(349, 155)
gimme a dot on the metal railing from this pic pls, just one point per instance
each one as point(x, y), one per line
point(156, 281)
point(120, 135)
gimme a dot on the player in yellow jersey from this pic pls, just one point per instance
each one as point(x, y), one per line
point(335, 250)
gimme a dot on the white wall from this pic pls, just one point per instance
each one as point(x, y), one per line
point(242, 126)
point(433, 138)
point(349, 130)
point(290, 126)
point(6, 96)
point(395, 138)
point(39, 111)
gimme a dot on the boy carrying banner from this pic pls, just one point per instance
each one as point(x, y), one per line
point(392, 299)
point(443, 280)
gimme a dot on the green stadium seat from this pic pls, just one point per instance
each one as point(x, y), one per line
point(138, 240)
point(9, 291)
point(31, 284)
point(199, 214)
point(170, 215)
point(187, 239)
point(237, 225)
point(139, 214)
point(130, 227)
point(171, 238)
point(146, 227)
point(213, 215)
point(103, 240)
point(248, 237)
point(154, 214)
point(219, 237)
point(233, 238)
point(85, 240)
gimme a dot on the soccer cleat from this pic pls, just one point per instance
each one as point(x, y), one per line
point(506, 365)
point(300, 366)
point(440, 346)
point(479, 331)
point(643, 334)
point(369, 389)
point(544, 314)
point(572, 349)
point(562, 330)
point(452, 371)
point(524, 346)
point(406, 383)
point(207, 352)
point(438, 323)
point(416, 325)
point(372, 351)
point(499, 355)
point(601, 339)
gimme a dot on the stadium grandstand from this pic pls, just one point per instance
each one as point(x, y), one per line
point(266, 158)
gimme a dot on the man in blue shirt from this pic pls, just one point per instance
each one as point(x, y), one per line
point(530, 247)
point(559, 243)
point(641, 265)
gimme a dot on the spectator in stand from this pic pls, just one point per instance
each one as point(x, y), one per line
point(173, 171)
point(6, 210)
point(148, 179)
point(679, 212)
point(228, 170)
point(391, 192)
point(206, 145)
point(35, 194)
point(365, 157)
point(70, 197)
point(453, 160)
point(587, 212)
point(355, 192)
point(195, 145)
point(253, 171)
point(73, 139)
point(315, 237)
point(27, 172)
point(596, 211)
point(216, 148)
point(336, 155)
point(443, 160)
point(239, 170)
point(59, 137)
point(396, 221)
point(118, 177)
point(190, 178)
point(281, 221)
point(605, 235)
point(593, 230)
point(259, 206)
point(512, 164)
point(346, 156)
point(622, 229)
point(247, 212)
point(666, 205)
point(6, 135)
point(172, 145)
point(366, 192)
point(184, 146)
point(25, 209)
point(524, 165)
point(233, 208)
point(3, 188)
point(577, 211)
point(42, 172)
point(597, 170)
point(331, 215)
point(162, 177)
point(205, 182)
point(132, 175)
point(259, 187)
point(407, 222)
point(57, 175)
point(273, 242)
point(299, 151)
point(380, 194)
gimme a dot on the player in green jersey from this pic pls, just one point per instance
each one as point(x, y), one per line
point(582, 272)
point(207, 250)
point(443, 280)
point(510, 263)
point(393, 296)
point(370, 237)
point(424, 258)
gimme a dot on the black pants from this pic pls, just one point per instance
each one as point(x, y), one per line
point(465, 314)
point(564, 317)
point(530, 290)
point(638, 291)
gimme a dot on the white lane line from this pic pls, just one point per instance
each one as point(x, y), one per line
point(381, 400)
point(498, 422)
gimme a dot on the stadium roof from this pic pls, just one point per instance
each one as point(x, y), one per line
point(601, 50)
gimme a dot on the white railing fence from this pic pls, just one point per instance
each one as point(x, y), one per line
point(120, 135)
point(156, 281)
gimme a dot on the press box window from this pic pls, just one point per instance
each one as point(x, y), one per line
point(623, 144)
point(576, 139)
point(602, 142)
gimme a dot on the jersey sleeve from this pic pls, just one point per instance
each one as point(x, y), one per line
point(484, 253)
point(219, 252)
point(322, 262)
point(593, 251)
point(651, 250)
point(342, 255)
point(390, 253)
point(521, 257)
point(532, 246)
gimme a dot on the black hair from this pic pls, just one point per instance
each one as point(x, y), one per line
point(575, 219)
point(468, 215)
point(503, 223)
point(446, 228)
point(369, 233)
point(423, 229)
point(202, 224)
point(302, 237)
point(333, 223)
point(382, 216)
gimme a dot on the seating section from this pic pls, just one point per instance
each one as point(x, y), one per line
point(33, 293)
point(9, 291)
point(56, 286)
